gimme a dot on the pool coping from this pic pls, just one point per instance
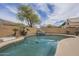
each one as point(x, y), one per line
point(22, 37)
point(5, 43)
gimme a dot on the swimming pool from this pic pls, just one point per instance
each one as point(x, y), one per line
point(33, 46)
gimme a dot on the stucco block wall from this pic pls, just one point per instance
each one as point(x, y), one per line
point(54, 30)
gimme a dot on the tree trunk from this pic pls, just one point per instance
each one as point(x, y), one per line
point(31, 24)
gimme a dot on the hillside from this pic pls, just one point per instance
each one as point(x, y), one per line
point(6, 27)
point(9, 23)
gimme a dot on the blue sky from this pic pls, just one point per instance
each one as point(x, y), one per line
point(54, 14)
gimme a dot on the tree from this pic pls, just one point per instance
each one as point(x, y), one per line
point(49, 26)
point(15, 30)
point(28, 14)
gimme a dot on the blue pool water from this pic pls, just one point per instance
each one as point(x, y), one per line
point(33, 46)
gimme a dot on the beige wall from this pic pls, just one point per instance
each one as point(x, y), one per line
point(8, 30)
point(54, 30)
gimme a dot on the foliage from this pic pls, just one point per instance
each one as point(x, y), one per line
point(15, 30)
point(26, 13)
point(49, 26)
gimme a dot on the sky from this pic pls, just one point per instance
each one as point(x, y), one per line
point(49, 13)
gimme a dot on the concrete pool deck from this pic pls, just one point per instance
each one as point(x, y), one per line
point(9, 40)
point(68, 47)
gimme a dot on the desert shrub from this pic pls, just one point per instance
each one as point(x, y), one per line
point(15, 30)
point(49, 26)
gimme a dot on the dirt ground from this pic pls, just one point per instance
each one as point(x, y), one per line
point(8, 30)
